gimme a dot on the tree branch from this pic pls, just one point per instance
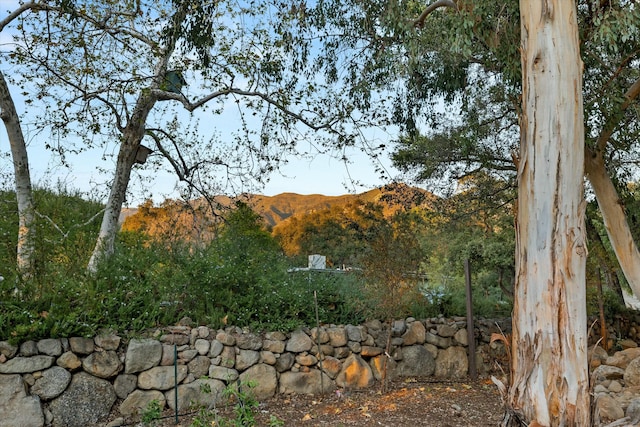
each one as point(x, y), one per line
point(419, 22)
point(631, 94)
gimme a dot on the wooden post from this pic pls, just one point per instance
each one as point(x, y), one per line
point(471, 336)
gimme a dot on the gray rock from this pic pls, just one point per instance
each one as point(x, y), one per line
point(24, 365)
point(415, 334)
point(108, 341)
point(28, 348)
point(632, 373)
point(69, 360)
point(452, 362)
point(398, 327)
point(312, 382)
point(354, 333)
point(275, 336)
point(52, 383)
point(50, 347)
point(224, 374)
point(446, 331)
point(284, 362)
point(80, 345)
point(368, 351)
point(331, 366)
point(86, 401)
point(319, 336)
point(228, 357)
point(461, 337)
point(633, 411)
point(103, 364)
point(246, 359)
point(216, 348)
point(265, 379)
point(273, 346)
point(608, 409)
point(437, 340)
point(175, 339)
point(124, 384)
point(202, 346)
point(202, 393)
point(356, 374)
point(199, 366)
point(138, 401)
point(18, 408)
point(7, 349)
point(161, 377)
point(168, 355)
point(621, 359)
point(381, 363)
point(249, 342)
point(142, 354)
point(226, 339)
point(416, 361)
point(337, 337)
point(188, 355)
point(299, 342)
point(267, 357)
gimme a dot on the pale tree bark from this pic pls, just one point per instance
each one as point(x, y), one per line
point(24, 195)
point(549, 381)
point(611, 207)
point(131, 139)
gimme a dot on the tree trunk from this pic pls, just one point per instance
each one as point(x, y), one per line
point(131, 140)
point(26, 209)
point(615, 220)
point(549, 381)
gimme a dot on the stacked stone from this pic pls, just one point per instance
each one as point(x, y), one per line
point(81, 381)
point(616, 384)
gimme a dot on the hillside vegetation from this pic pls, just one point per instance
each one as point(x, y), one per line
point(392, 252)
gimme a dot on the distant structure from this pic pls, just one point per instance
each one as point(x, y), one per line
point(317, 262)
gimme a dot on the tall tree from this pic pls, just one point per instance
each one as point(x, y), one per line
point(549, 375)
point(172, 56)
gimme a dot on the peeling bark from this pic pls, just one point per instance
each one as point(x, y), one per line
point(24, 195)
point(615, 220)
point(549, 382)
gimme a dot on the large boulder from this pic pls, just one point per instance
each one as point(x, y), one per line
point(312, 382)
point(86, 401)
point(356, 374)
point(202, 393)
point(452, 362)
point(138, 401)
point(416, 361)
point(18, 408)
point(265, 379)
point(299, 342)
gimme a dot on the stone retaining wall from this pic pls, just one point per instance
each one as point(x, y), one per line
point(84, 381)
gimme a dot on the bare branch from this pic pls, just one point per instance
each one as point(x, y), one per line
point(65, 235)
point(604, 137)
point(419, 22)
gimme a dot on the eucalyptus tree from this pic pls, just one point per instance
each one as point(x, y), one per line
point(521, 98)
point(121, 73)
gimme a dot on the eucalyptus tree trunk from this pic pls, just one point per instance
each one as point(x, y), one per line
point(615, 219)
point(549, 381)
point(25, 259)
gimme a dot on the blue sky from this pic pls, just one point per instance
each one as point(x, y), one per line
point(90, 171)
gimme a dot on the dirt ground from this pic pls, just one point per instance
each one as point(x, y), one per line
point(408, 402)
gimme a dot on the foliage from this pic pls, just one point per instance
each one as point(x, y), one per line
point(151, 413)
